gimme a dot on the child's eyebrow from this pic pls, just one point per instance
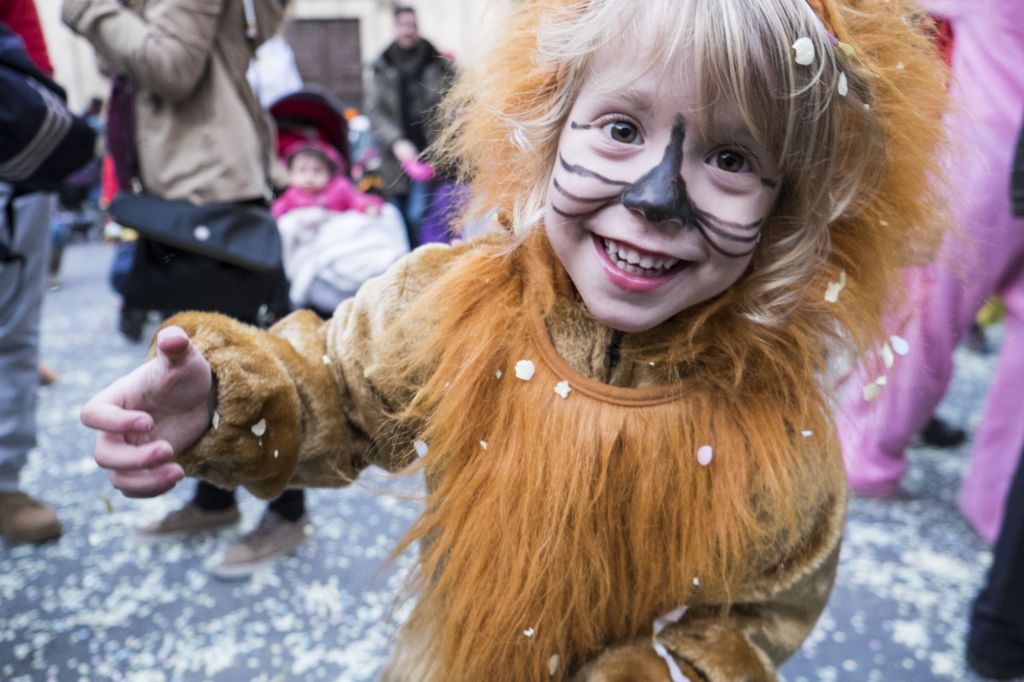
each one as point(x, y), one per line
point(633, 99)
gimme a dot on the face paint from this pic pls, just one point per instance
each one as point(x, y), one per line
point(660, 196)
point(649, 211)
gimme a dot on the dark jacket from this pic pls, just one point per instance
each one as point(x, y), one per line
point(386, 107)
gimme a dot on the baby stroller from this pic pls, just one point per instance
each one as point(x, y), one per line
point(328, 255)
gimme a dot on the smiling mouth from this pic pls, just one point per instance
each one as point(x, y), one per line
point(639, 263)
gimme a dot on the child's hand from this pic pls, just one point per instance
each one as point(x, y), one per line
point(145, 417)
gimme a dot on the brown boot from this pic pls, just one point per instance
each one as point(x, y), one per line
point(24, 519)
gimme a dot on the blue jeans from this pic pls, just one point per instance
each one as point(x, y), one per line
point(21, 297)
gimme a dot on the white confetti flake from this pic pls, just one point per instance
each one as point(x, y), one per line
point(277, 453)
point(881, 381)
point(696, 581)
point(847, 48)
point(804, 51)
point(327, 359)
point(562, 388)
point(900, 66)
point(259, 428)
point(216, 421)
point(421, 448)
point(883, 223)
point(529, 632)
point(705, 454)
point(651, 364)
point(525, 369)
point(887, 356)
point(807, 434)
point(483, 444)
point(553, 665)
point(834, 288)
point(498, 374)
point(871, 391)
point(844, 85)
point(899, 345)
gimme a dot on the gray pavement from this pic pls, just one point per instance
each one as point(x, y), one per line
point(102, 604)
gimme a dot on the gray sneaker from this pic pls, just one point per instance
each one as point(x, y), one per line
point(190, 519)
point(274, 537)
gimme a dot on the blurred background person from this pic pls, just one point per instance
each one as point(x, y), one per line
point(985, 116)
point(409, 79)
point(184, 124)
point(25, 219)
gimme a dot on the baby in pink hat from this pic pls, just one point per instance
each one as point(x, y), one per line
point(317, 178)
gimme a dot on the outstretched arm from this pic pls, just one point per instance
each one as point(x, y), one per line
point(298, 405)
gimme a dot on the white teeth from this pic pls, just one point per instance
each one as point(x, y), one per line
point(629, 260)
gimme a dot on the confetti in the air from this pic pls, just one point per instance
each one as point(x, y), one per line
point(259, 428)
point(704, 455)
point(871, 391)
point(421, 448)
point(562, 388)
point(834, 288)
point(525, 370)
point(887, 356)
point(804, 51)
point(899, 345)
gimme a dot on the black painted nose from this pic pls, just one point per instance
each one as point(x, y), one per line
point(655, 197)
point(660, 195)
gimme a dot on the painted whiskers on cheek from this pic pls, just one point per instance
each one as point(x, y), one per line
point(660, 196)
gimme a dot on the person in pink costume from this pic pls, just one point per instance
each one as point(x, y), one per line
point(317, 177)
point(988, 106)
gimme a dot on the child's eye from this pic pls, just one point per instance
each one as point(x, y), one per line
point(623, 132)
point(730, 160)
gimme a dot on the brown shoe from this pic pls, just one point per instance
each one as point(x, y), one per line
point(190, 519)
point(274, 537)
point(47, 377)
point(25, 520)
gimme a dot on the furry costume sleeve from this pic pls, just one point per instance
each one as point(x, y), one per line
point(297, 406)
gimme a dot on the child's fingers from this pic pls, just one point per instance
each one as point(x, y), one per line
point(104, 414)
point(173, 344)
point(112, 452)
point(147, 482)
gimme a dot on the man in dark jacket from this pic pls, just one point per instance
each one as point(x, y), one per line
point(409, 80)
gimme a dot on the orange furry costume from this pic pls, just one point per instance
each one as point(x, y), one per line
point(559, 525)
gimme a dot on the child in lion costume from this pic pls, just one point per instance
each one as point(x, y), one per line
point(620, 398)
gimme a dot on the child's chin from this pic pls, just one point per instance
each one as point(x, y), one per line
point(626, 319)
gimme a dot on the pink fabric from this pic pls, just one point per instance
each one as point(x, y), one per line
point(988, 93)
point(339, 195)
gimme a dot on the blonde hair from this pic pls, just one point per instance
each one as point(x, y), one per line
point(843, 157)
